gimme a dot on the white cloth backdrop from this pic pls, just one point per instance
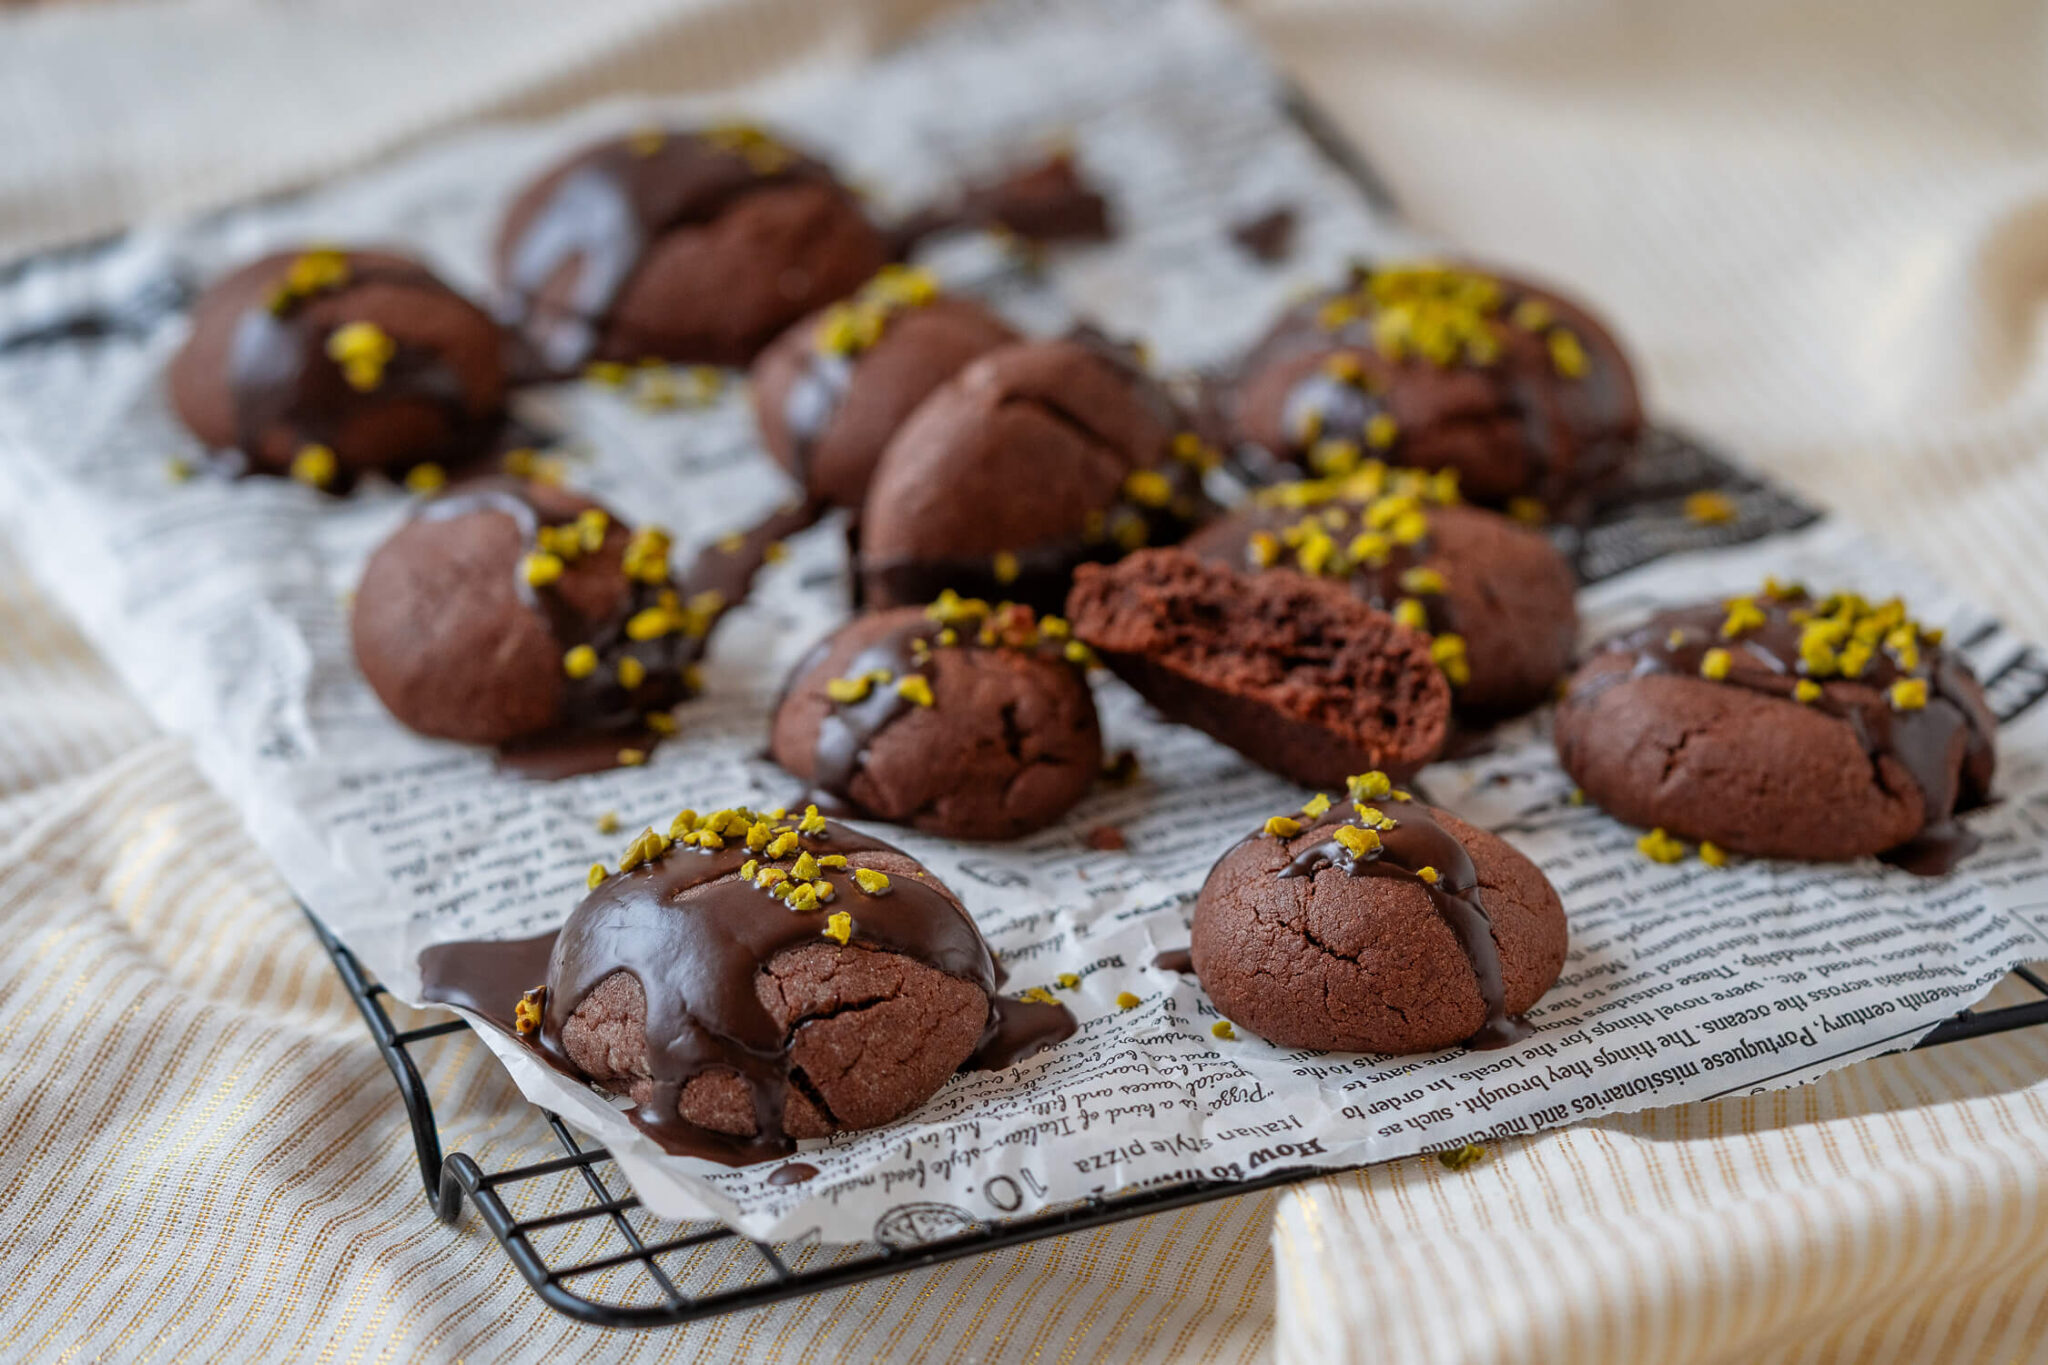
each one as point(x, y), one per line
point(1824, 226)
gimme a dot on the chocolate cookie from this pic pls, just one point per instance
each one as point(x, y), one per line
point(750, 978)
point(1518, 389)
point(1377, 924)
point(958, 719)
point(695, 246)
point(1786, 727)
point(1035, 458)
point(832, 390)
point(506, 611)
point(327, 364)
point(1296, 673)
point(1496, 597)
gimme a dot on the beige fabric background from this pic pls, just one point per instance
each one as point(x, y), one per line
point(1823, 226)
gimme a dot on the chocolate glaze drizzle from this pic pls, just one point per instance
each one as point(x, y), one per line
point(1923, 741)
point(1416, 842)
point(697, 937)
point(603, 215)
point(1046, 202)
point(279, 373)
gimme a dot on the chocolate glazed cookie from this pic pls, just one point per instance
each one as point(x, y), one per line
point(688, 246)
point(1496, 598)
point(1518, 389)
point(832, 390)
point(958, 719)
point(1377, 924)
point(1034, 459)
point(751, 978)
point(1785, 726)
point(521, 615)
point(329, 364)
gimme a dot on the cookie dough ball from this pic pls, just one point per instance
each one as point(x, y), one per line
point(1379, 925)
point(990, 736)
point(832, 390)
point(1296, 673)
point(695, 246)
point(1035, 458)
point(329, 364)
point(1786, 727)
point(1495, 597)
point(1521, 391)
point(505, 610)
point(749, 979)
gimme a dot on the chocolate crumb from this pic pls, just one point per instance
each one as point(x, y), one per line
point(1107, 838)
point(1268, 238)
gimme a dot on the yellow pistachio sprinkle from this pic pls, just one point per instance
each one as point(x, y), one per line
point(1567, 356)
point(839, 927)
point(526, 1014)
point(1577, 797)
point(1358, 842)
point(1410, 528)
point(645, 559)
point(425, 478)
point(660, 722)
point(362, 350)
point(1428, 874)
point(631, 672)
point(1709, 508)
point(837, 860)
point(1148, 488)
point(805, 868)
point(803, 896)
point(1743, 614)
point(1715, 664)
point(1315, 806)
point(1806, 691)
point(868, 880)
point(632, 758)
point(1471, 1154)
point(1528, 511)
point(1372, 817)
point(1038, 995)
point(580, 662)
point(608, 823)
point(1712, 854)
point(1005, 566)
point(1909, 694)
point(1283, 827)
point(1854, 658)
point(315, 465)
point(1412, 614)
point(1368, 786)
point(1421, 580)
point(1531, 315)
point(812, 822)
point(1660, 847)
point(784, 845)
point(539, 568)
point(1381, 431)
point(767, 878)
point(915, 688)
point(1077, 653)
point(1331, 456)
point(596, 875)
point(685, 821)
point(1126, 1001)
point(1448, 651)
point(846, 690)
point(178, 469)
point(1676, 639)
point(1343, 367)
point(1222, 1029)
point(1067, 981)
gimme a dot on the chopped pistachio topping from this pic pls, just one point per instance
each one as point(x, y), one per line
point(1038, 995)
point(1709, 508)
point(1358, 842)
point(608, 822)
point(1368, 786)
point(1712, 854)
point(540, 568)
point(1381, 431)
point(315, 465)
point(631, 672)
point(847, 690)
point(580, 662)
point(1421, 580)
point(1567, 354)
point(1660, 847)
point(362, 350)
point(1676, 639)
point(1315, 806)
point(870, 881)
point(812, 822)
point(1743, 614)
point(1079, 654)
point(1577, 796)
point(685, 821)
point(425, 478)
point(1528, 511)
point(1067, 981)
point(660, 722)
point(1126, 1001)
point(1448, 650)
point(1411, 613)
point(595, 875)
point(1471, 1154)
point(526, 1014)
point(1148, 488)
point(1715, 664)
point(1806, 691)
point(916, 688)
point(632, 758)
point(804, 896)
point(1222, 1029)
point(1909, 694)
point(784, 845)
point(1283, 827)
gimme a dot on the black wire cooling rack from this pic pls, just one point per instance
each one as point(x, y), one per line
point(596, 1256)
